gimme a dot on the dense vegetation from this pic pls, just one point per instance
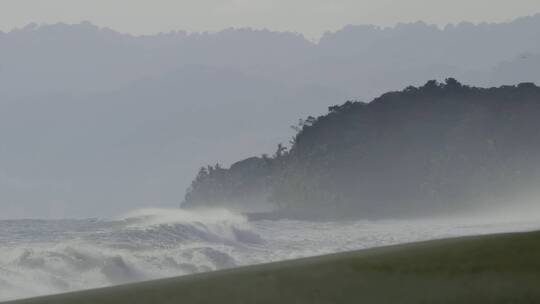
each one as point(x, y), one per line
point(486, 269)
point(439, 147)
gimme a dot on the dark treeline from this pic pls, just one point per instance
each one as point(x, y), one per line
point(436, 148)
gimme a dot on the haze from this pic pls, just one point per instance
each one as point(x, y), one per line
point(310, 17)
point(95, 123)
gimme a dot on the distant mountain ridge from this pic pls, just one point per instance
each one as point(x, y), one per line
point(52, 58)
point(439, 148)
point(92, 116)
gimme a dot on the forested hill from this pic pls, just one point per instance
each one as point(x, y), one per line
point(436, 148)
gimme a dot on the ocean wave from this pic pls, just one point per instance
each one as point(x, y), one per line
point(46, 257)
point(142, 245)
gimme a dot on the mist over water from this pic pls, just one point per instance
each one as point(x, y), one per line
point(39, 257)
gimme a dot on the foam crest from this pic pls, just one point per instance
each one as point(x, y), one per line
point(173, 225)
point(153, 217)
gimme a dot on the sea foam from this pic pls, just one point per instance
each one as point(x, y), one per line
point(39, 257)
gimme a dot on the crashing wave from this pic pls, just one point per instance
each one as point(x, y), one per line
point(142, 245)
point(47, 257)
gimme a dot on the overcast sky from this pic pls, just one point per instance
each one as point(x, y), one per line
point(311, 17)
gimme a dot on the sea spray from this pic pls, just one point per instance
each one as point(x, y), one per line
point(43, 257)
point(40, 257)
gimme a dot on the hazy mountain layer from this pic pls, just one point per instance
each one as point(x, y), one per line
point(94, 122)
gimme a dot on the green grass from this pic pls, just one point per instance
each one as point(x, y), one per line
point(487, 269)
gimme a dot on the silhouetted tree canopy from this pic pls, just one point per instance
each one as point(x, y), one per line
point(439, 147)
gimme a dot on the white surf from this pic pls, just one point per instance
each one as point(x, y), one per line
point(41, 257)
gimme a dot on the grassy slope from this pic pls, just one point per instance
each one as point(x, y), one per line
point(487, 269)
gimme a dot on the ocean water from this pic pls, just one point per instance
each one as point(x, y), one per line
point(41, 257)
